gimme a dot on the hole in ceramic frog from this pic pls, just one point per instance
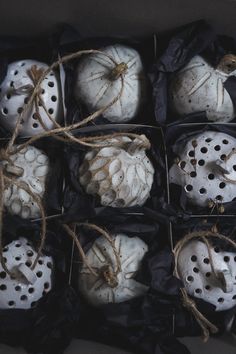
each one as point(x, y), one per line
point(211, 176)
point(221, 300)
point(18, 245)
point(5, 111)
point(206, 260)
point(190, 278)
point(204, 150)
point(202, 190)
point(234, 167)
point(22, 64)
point(16, 72)
point(182, 164)
point(234, 259)
point(219, 197)
point(26, 100)
point(8, 96)
point(49, 265)
point(35, 116)
point(40, 261)
point(5, 249)
point(208, 274)
point(12, 84)
point(51, 110)
point(11, 303)
point(54, 98)
point(46, 285)
point(30, 253)
point(208, 140)
point(28, 263)
point(18, 258)
point(217, 148)
point(222, 185)
point(17, 288)
point(51, 84)
point(234, 297)
point(188, 188)
point(207, 287)
point(31, 290)
point(3, 275)
point(225, 141)
point(194, 258)
point(3, 287)
point(198, 291)
point(223, 156)
point(23, 298)
point(191, 153)
point(226, 259)
point(35, 125)
point(39, 274)
point(196, 270)
point(193, 174)
point(19, 110)
point(201, 162)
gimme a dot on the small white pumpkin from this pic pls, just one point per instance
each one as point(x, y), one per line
point(206, 168)
point(200, 281)
point(102, 259)
point(98, 82)
point(121, 175)
point(200, 87)
point(31, 167)
point(27, 286)
point(15, 91)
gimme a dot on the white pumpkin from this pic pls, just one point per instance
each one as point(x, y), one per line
point(98, 82)
point(204, 170)
point(27, 286)
point(199, 87)
point(102, 259)
point(121, 176)
point(200, 281)
point(15, 91)
point(31, 166)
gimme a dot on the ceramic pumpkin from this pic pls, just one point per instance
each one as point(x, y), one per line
point(218, 287)
point(200, 87)
point(98, 82)
point(15, 91)
point(120, 175)
point(30, 167)
point(27, 286)
point(206, 168)
point(98, 290)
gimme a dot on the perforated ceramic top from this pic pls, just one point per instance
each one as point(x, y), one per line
point(29, 285)
point(15, 91)
point(207, 168)
point(199, 279)
point(34, 165)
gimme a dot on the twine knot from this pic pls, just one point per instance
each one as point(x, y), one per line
point(107, 274)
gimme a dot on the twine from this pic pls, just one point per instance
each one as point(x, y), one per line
point(206, 326)
point(106, 272)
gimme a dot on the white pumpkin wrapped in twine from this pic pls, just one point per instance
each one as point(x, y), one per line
point(119, 172)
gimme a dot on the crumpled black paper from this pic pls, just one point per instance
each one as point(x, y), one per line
point(176, 50)
point(47, 327)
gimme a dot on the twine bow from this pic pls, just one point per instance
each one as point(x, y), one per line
point(206, 326)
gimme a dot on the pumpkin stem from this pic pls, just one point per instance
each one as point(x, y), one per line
point(109, 276)
point(227, 64)
point(117, 71)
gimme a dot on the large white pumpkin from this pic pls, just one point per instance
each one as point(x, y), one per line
point(98, 82)
point(33, 167)
point(101, 258)
point(121, 176)
point(199, 87)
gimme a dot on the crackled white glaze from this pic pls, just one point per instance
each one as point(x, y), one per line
point(28, 286)
point(200, 87)
point(131, 252)
point(199, 280)
point(35, 167)
point(205, 180)
point(121, 176)
point(96, 89)
point(12, 102)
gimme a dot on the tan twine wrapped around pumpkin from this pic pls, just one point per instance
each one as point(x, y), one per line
point(62, 133)
point(108, 274)
point(204, 236)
